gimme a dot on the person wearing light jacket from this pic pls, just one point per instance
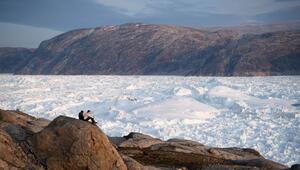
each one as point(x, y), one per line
point(89, 116)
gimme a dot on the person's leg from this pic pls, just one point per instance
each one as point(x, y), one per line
point(93, 120)
point(90, 118)
point(87, 119)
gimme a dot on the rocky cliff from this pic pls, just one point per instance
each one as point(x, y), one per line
point(66, 143)
point(14, 59)
point(145, 49)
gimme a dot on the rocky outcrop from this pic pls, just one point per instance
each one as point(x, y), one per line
point(67, 143)
point(138, 140)
point(177, 153)
point(20, 125)
point(15, 127)
point(145, 49)
point(135, 165)
point(12, 156)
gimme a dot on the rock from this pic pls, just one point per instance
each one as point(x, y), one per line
point(136, 135)
point(65, 144)
point(133, 164)
point(68, 143)
point(16, 117)
point(15, 131)
point(12, 156)
point(23, 120)
point(139, 140)
point(295, 167)
point(259, 163)
point(180, 153)
point(171, 155)
point(37, 124)
point(116, 140)
point(20, 125)
point(226, 167)
point(185, 142)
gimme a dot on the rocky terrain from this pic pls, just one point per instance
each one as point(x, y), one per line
point(145, 49)
point(27, 142)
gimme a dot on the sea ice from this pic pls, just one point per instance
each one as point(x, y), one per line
point(257, 112)
point(176, 108)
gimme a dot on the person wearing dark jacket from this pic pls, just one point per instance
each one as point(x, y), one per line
point(80, 115)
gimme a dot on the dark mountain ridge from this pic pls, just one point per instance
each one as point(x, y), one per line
point(14, 59)
point(145, 49)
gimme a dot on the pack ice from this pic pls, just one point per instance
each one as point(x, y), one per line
point(257, 112)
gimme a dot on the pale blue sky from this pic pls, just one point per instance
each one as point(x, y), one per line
point(36, 20)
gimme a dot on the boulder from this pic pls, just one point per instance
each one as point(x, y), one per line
point(140, 140)
point(16, 132)
point(23, 120)
point(68, 143)
point(135, 165)
point(295, 167)
point(12, 156)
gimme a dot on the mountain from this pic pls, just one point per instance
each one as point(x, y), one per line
point(145, 49)
point(13, 59)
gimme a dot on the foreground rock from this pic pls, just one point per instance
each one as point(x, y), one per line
point(67, 143)
point(12, 156)
point(15, 127)
point(176, 153)
point(14, 120)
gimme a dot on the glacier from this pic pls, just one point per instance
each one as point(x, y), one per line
point(256, 112)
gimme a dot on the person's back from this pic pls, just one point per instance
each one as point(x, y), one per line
point(80, 115)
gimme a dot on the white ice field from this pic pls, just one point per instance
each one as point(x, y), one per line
point(257, 112)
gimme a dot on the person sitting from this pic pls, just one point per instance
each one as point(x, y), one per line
point(80, 115)
point(89, 116)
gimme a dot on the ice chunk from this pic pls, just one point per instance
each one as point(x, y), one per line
point(180, 91)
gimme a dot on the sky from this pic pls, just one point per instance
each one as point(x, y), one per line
point(25, 23)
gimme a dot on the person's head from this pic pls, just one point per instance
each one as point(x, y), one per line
point(88, 111)
point(81, 111)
